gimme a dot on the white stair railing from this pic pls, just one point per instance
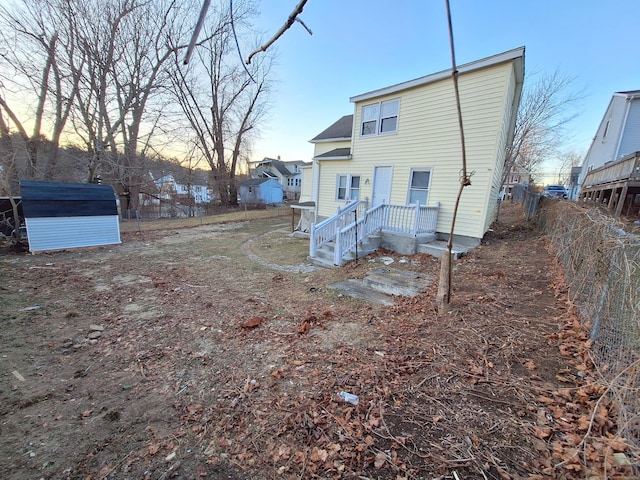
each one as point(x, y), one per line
point(405, 219)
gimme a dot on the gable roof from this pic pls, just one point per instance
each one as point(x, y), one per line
point(515, 54)
point(254, 182)
point(281, 166)
point(339, 130)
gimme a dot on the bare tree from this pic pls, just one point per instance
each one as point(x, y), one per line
point(121, 61)
point(547, 108)
point(567, 161)
point(32, 70)
point(222, 101)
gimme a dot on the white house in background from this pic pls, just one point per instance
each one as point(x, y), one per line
point(618, 134)
point(518, 177)
point(188, 188)
point(287, 174)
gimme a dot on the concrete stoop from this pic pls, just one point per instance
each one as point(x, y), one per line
point(381, 284)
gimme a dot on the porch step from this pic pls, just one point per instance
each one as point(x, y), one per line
point(394, 281)
point(439, 248)
point(381, 284)
point(324, 255)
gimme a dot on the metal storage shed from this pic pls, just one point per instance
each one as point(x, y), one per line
point(261, 191)
point(69, 215)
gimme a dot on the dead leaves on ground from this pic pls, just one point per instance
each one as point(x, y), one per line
point(577, 424)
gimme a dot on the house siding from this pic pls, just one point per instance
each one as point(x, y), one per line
point(631, 134)
point(329, 170)
point(428, 137)
point(306, 191)
point(503, 143)
point(324, 147)
point(623, 134)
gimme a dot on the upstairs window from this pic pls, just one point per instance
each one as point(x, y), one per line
point(348, 187)
point(380, 118)
point(419, 186)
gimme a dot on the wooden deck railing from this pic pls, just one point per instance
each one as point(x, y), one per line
point(626, 168)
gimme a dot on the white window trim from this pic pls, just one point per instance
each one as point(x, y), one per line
point(379, 119)
point(430, 170)
point(348, 187)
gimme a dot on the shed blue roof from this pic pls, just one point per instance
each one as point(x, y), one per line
point(55, 199)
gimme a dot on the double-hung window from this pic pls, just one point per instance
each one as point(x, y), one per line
point(380, 118)
point(348, 187)
point(419, 186)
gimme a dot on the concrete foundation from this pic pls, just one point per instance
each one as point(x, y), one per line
point(404, 244)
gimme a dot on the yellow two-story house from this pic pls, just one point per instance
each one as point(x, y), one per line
point(402, 146)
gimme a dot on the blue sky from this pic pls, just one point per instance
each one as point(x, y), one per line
point(362, 45)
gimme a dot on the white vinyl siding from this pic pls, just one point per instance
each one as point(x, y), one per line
point(631, 134)
point(57, 233)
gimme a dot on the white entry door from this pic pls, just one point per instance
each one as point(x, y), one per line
point(381, 186)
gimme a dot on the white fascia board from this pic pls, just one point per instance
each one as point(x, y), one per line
point(468, 67)
point(326, 140)
point(340, 157)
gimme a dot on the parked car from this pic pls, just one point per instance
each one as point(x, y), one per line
point(554, 191)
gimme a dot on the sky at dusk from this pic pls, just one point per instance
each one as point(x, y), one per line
point(362, 45)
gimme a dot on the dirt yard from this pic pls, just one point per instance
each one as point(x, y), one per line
point(215, 352)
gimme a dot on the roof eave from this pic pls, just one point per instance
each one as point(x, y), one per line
point(326, 140)
point(338, 157)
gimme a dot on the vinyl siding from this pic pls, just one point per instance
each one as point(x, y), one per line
point(324, 147)
point(329, 170)
point(57, 233)
point(603, 148)
point(428, 137)
point(498, 171)
point(306, 190)
point(630, 142)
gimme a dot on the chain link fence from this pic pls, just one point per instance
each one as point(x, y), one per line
point(602, 266)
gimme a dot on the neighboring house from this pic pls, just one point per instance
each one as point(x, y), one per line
point(261, 191)
point(288, 174)
point(574, 185)
point(401, 146)
point(69, 215)
point(610, 171)
point(518, 177)
point(177, 192)
point(618, 134)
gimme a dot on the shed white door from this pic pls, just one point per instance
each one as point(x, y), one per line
point(381, 186)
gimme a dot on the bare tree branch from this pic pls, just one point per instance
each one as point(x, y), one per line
point(292, 18)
